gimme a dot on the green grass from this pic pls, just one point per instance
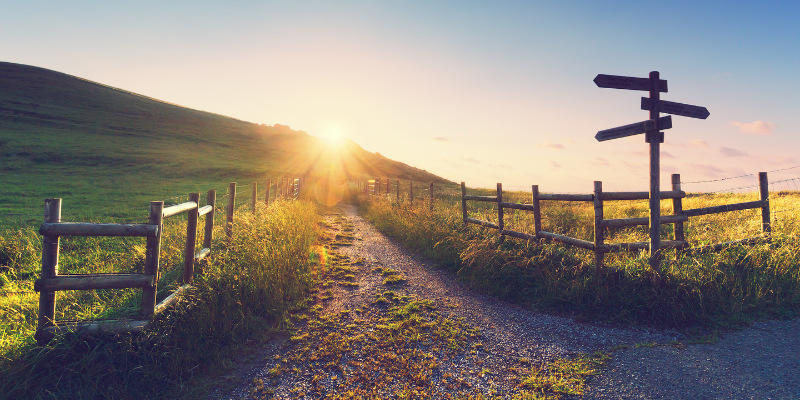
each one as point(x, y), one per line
point(241, 297)
point(705, 290)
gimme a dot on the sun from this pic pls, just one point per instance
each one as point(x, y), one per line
point(333, 137)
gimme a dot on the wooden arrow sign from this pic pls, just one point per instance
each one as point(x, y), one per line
point(634, 129)
point(686, 110)
point(627, 82)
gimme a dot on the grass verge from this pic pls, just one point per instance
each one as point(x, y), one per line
point(240, 298)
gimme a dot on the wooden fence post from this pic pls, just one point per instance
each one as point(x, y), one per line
point(47, 300)
point(464, 202)
point(398, 191)
point(598, 227)
point(377, 188)
point(151, 259)
point(211, 200)
point(191, 239)
point(430, 199)
point(677, 208)
point(387, 188)
point(253, 197)
point(537, 212)
point(763, 183)
point(266, 195)
point(500, 211)
point(229, 215)
point(411, 192)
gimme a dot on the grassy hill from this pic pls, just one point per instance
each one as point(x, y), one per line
point(108, 152)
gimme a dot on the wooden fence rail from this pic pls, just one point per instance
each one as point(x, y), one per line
point(598, 198)
point(51, 281)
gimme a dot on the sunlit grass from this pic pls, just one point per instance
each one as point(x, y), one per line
point(738, 283)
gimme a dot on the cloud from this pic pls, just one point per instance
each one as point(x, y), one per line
point(552, 145)
point(440, 139)
point(666, 155)
point(699, 143)
point(555, 164)
point(755, 127)
point(470, 159)
point(729, 152)
point(675, 144)
point(503, 166)
point(600, 161)
point(708, 170)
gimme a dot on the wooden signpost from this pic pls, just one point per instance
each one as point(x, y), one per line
point(653, 135)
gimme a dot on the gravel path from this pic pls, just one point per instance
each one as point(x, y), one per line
point(761, 362)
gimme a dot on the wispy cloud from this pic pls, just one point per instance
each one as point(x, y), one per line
point(755, 127)
point(699, 143)
point(600, 161)
point(555, 164)
point(666, 154)
point(470, 159)
point(501, 166)
point(440, 138)
point(729, 152)
point(708, 170)
point(552, 145)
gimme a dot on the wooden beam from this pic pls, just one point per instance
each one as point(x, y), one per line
point(492, 199)
point(172, 211)
point(93, 281)
point(566, 239)
point(89, 229)
point(720, 246)
point(482, 223)
point(724, 208)
point(47, 299)
point(171, 299)
point(525, 207)
point(623, 222)
point(152, 258)
point(565, 197)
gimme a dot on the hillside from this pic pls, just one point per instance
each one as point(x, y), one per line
point(63, 136)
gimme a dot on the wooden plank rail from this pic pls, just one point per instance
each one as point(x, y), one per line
point(565, 197)
point(519, 235)
point(623, 222)
point(171, 299)
point(666, 194)
point(492, 199)
point(172, 211)
point(483, 223)
point(90, 229)
point(516, 206)
point(203, 253)
point(725, 208)
point(566, 239)
point(205, 210)
point(93, 281)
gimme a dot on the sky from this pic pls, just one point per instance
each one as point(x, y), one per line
point(481, 92)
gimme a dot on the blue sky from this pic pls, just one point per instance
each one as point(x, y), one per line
point(481, 92)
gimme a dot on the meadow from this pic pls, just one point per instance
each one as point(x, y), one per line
point(703, 291)
point(241, 296)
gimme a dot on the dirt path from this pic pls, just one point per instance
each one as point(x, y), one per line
point(512, 342)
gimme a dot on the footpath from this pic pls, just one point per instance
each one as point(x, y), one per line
point(384, 323)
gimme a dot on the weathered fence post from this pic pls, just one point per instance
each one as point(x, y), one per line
point(500, 210)
point(537, 212)
point(377, 188)
point(191, 239)
point(211, 200)
point(464, 202)
point(229, 216)
point(266, 195)
point(398, 191)
point(763, 183)
point(47, 300)
point(430, 191)
point(598, 226)
point(677, 208)
point(654, 138)
point(151, 259)
point(387, 188)
point(253, 197)
point(411, 192)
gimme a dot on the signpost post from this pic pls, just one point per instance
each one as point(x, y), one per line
point(653, 135)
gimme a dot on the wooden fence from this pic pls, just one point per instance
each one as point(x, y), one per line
point(51, 281)
point(374, 187)
point(599, 197)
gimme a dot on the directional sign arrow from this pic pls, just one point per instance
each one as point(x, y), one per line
point(627, 82)
point(634, 129)
point(686, 110)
